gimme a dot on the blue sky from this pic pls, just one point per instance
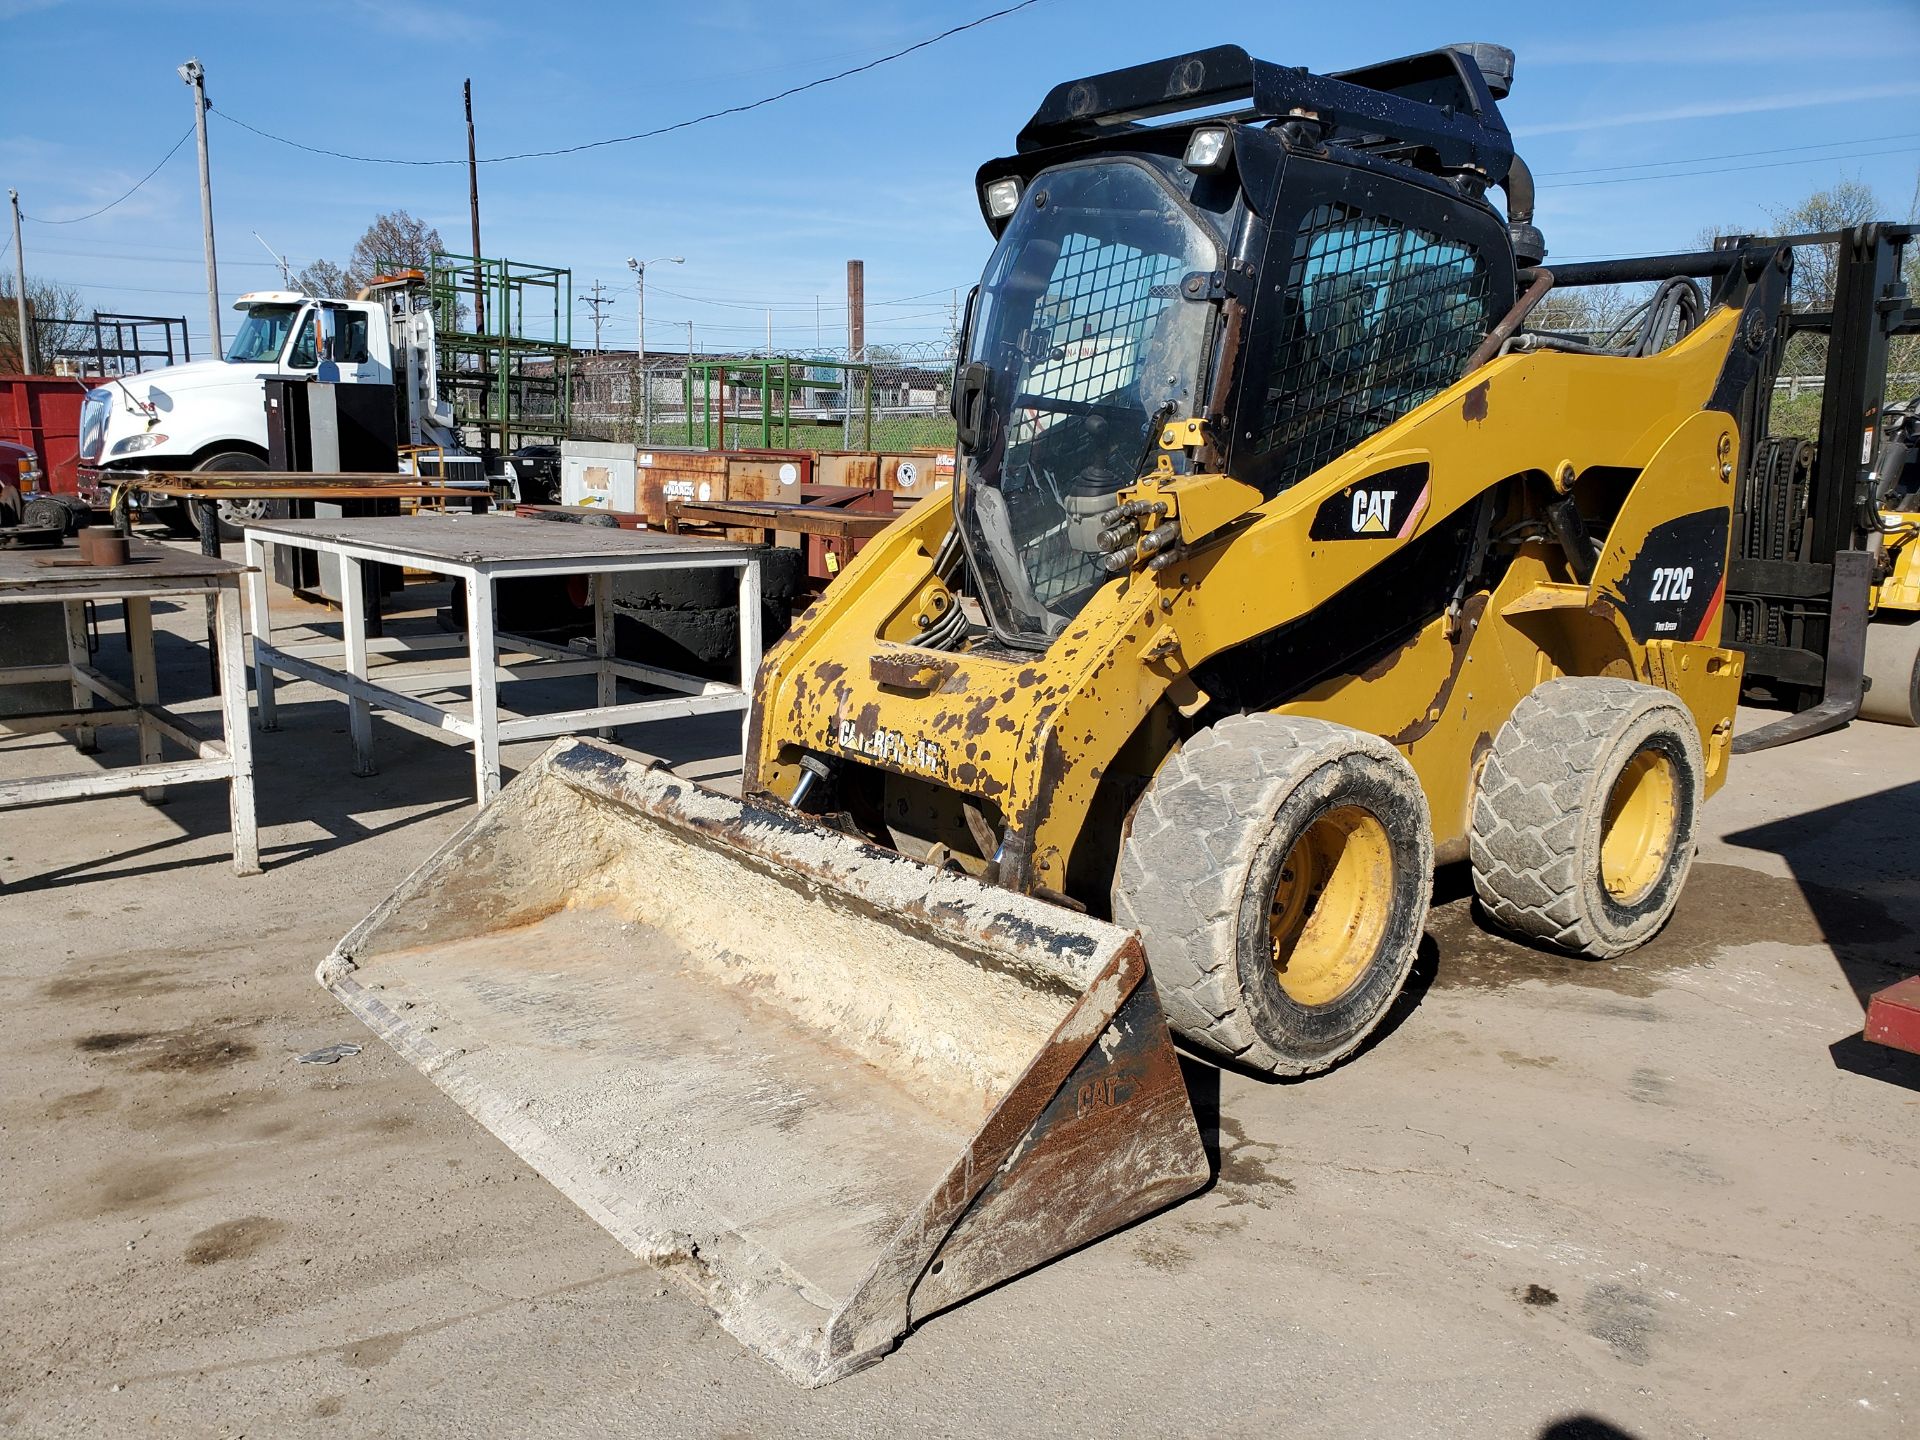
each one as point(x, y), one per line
point(767, 207)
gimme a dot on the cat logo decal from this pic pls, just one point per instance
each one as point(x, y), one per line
point(1386, 505)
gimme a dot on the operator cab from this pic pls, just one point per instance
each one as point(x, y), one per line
point(1298, 271)
point(327, 339)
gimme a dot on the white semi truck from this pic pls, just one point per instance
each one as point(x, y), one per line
point(211, 414)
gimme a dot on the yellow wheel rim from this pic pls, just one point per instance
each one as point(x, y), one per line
point(1638, 829)
point(1331, 905)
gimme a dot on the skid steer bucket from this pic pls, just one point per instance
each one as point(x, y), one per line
point(831, 1088)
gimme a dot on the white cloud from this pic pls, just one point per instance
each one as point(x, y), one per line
point(1712, 109)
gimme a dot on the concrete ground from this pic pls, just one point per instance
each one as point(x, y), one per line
point(1669, 1195)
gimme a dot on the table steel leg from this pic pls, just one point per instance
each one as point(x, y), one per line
point(262, 620)
point(486, 704)
point(749, 647)
point(84, 737)
point(233, 713)
point(602, 584)
point(206, 520)
point(353, 627)
point(146, 686)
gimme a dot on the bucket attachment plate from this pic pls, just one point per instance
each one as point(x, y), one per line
point(830, 1088)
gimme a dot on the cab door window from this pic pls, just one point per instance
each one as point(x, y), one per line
point(1376, 317)
point(332, 332)
point(350, 337)
point(304, 352)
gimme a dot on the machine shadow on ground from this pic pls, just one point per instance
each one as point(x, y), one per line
point(1873, 942)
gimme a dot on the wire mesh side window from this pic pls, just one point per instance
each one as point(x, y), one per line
point(1095, 331)
point(1092, 325)
point(1377, 317)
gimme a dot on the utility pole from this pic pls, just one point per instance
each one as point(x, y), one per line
point(639, 268)
point(599, 300)
point(769, 332)
point(195, 74)
point(20, 290)
point(473, 206)
point(856, 336)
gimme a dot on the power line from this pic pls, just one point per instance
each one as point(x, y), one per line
point(76, 219)
point(799, 306)
point(149, 259)
point(1733, 155)
point(644, 134)
point(1735, 169)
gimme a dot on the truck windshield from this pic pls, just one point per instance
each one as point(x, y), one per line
point(263, 334)
point(1081, 337)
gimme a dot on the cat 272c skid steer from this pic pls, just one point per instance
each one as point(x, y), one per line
point(1272, 575)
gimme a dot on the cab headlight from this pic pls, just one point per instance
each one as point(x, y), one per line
point(1003, 197)
point(133, 444)
point(1207, 150)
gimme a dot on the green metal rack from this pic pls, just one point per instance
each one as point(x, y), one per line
point(771, 376)
point(504, 330)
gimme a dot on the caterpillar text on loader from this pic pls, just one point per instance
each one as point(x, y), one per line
point(1267, 581)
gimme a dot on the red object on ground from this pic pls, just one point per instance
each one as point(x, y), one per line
point(1893, 1016)
point(42, 412)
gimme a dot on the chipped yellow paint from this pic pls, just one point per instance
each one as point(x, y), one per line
point(1031, 735)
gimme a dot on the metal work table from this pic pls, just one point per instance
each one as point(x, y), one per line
point(203, 490)
point(477, 550)
point(58, 577)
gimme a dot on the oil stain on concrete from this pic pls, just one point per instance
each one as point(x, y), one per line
point(189, 1050)
point(91, 985)
point(232, 1239)
point(144, 1184)
point(1169, 1257)
point(97, 1100)
point(1722, 906)
point(1245, 1177)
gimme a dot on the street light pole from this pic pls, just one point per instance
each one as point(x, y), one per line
point(20, 290)
point(196, 77)
point(639, 268)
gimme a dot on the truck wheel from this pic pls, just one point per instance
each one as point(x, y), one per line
point(1893, 665)
point(1278, 869)
point(235, 515)
point(1583, 824)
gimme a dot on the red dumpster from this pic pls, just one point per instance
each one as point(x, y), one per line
point(43, 413)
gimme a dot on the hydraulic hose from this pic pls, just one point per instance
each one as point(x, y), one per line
point(1504, 331)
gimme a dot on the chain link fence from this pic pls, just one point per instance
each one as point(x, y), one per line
point(615, 399)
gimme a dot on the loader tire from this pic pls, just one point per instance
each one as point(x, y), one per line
point(1278, 869)
point(1584, 820)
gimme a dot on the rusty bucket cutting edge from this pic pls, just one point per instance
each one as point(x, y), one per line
point(828, 1087)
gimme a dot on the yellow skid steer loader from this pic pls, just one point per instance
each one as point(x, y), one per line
point(1282, 562)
